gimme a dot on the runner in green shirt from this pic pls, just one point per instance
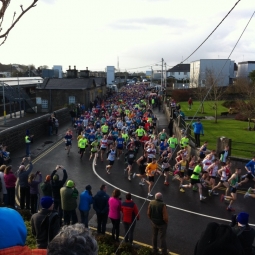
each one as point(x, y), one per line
point(172, 141)
point(94, 149)
point(140, 132)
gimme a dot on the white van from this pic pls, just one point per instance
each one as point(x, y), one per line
point(112, 87)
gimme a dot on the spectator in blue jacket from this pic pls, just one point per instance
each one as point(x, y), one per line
point(86, 200)
point(198, 129)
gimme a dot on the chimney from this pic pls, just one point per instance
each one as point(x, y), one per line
point(74, 67)
point(69, 67)
point(84, 73)
point(87, 68)
point(72, 73)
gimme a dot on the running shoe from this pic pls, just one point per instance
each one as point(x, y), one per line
point(182, 190)
point(230, 209)
point(150, 195)
point(174, 177)
point(246, 194)
point(222, 198)
point(202, 198)
point(209, 192)
point(166, 183)
point(129, 177)
point(194, 188)
point(134, 175)
point(141, 184)
point(215, 194)
point(249, 190)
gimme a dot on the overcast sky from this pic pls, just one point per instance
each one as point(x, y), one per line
point(93, 33)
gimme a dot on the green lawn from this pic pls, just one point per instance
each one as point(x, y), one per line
point(227, 127)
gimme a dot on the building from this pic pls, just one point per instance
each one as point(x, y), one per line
point(244, 69)
point(5, 74)
point(179, 72)
point(48, 73)
point(110, 74)
point(55, 94)
point(221, 69)
point(58, 71)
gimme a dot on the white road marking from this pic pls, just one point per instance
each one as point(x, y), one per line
point(170, 206)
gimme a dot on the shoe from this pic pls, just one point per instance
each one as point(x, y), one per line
point(209, 192)
point(134, 175)
point(230, 209)
point(108, 171)
point(246, 195)
point(182, 190)
point(222, 198)
point(141, 184)
point(202, 198)
point(215, 194)
point(249, 190)
point(166, 183)
point(150, 195)
point(129, 177)
point(194, 188)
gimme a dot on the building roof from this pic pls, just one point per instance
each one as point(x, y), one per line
point(180, 68)
point(246, 62)
point(75, 83)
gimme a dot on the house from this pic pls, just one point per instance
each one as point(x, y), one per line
point(244, 69)
point(179, 72)
point(221, 69)
point(55, 94)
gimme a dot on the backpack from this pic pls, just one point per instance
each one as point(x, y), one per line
point(219, 239)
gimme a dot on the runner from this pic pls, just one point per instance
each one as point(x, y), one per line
point(192, 163)
point(213, 170)
point(120, 145)
point(181, 174)
point(173, 142)
point(94, 151)
point(163, 135)
point(68, 141)
point(82, 144)
point(166, 169)
point(140, 132)
point(103, 146)
point(111, 155)
point(142, 163)
point(250, 168)
point(249, 193)
point(130, 156)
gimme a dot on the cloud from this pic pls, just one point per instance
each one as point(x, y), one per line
point(125, 26)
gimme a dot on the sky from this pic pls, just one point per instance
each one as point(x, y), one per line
point(140, 33)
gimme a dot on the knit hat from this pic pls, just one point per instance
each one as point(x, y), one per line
point(243, 218)
point(47, 178)
point(55, 177)
point(70, 184)
point(13, 231)
point(88, 187)
point(46, 202)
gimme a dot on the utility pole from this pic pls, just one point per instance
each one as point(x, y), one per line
point(151, 74)
point(162, 73)
point(165, 75)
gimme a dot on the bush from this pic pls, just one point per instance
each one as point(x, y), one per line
point(241, 117)
point(230, 103)
point(180, 95)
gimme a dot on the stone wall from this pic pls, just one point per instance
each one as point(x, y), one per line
point(14, 137)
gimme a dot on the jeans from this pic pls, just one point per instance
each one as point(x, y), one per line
point(101, 222)
point(85, 218)
point(27, 149)
point(70, 215)
point(34, 203)
point(129, 236)
point(11, 196)
point(161, 231)
point(58, 208)
point(197, 139)
point(24, 197)
point(115, 228)
point(50, 130)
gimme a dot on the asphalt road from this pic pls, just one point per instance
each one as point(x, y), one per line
point(188, 217)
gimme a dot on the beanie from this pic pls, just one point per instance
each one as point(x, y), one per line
point(70, 184)
point(13, 231)
point(47, 178)
point(88, 187)
point(243, 218)
point(55, 177)
point(46, 202)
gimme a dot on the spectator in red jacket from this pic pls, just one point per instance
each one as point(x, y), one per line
point(130, 215)
point(10, 183)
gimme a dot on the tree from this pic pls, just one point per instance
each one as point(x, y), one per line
point(5, 4)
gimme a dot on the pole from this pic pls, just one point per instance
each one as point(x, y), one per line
point(162, 73)
point(4, 105)
point(165, 75)
point(151, 74)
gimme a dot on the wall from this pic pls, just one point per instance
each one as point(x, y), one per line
point(14, 137)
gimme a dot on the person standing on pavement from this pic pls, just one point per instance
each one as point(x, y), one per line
point(86, 199)
point(28, 141)
point(158, 215)
point(56, 185)
point(101, 206)
point(10, 183)
point(114, 213)
point(69, 196)
point(198, 129)
point(46, 187)
point(130, 216)
point(23, 183)
point(45, 224)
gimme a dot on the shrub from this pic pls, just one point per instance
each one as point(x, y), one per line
point(241, 117)
point(230, 103)
point(180, 95)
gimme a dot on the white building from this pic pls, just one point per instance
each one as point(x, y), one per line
point(5, 74)
point(110, 75)
point(244, 69)
point(179, 72)
point(222, 69)
point(59, 71)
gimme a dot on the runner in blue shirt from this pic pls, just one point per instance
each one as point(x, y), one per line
point(250, 168)
point(120, 145)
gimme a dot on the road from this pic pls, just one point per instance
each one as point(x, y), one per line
point(188, 217)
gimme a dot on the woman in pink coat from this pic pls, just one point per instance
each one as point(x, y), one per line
point(10, 183)
point(114, 213)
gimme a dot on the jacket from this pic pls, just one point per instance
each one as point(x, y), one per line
point(57, 185)
point(41, 227)
point(129, 211)
point(157, 212)
point(198, 128)
point(68, 198)
point(23, 176)
point(10, 180)
point(85, 201)
point(34, 185)
point(114, 208)
point(46, 189)
point(100, 202)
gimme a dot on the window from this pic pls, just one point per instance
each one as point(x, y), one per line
point(185, 73)
point(172, 73)
point(179, 73)
point(44, 104)
point(71, 99)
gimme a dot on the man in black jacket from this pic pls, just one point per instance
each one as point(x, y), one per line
point(100, 205)
point(45, 224)
point(56, 186)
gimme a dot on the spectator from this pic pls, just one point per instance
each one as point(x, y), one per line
point(56, 185)
point(130, 215)
point(10, 182)
point(100, 205)
point(28, 141)
point(114, 213)
point(46, 187)
point(45, 224)
point(157, 213)
point(190, 103)
point(34, 192)
point(74, 239)
point(13, 234)
point(86, 200)
point(3, 190)
point(198, 129)
point(69, 196)
point(23, 183)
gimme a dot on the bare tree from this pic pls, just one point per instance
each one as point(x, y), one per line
point(5, 4)
point(200, 93)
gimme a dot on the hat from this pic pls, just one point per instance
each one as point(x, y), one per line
point(70, 184)
point(47, 178)
point(55, 177)
point(11, 234)
point(46, 202)
point(88, 187)
point(243, 218)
